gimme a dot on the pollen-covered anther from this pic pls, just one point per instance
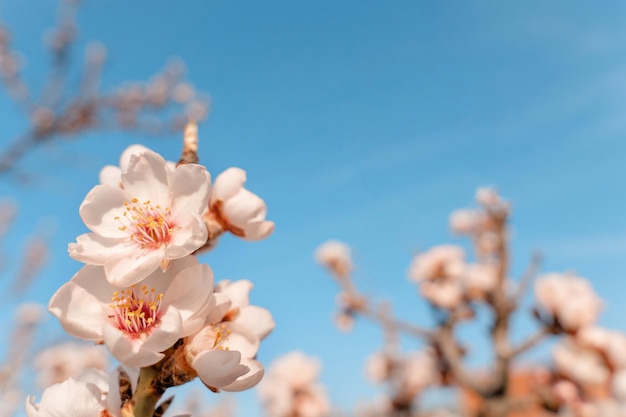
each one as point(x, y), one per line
point(221, 335)
point(148, 225)
point(135, 312)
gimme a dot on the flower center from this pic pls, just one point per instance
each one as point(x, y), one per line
point(135, 312)
point(220, 334)
point(150, 226)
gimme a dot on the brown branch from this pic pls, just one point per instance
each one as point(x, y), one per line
point(529, 343)
point(527, 278)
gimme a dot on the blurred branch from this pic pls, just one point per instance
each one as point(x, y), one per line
point(159, 106)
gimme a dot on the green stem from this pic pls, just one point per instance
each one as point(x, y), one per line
point(147, 394)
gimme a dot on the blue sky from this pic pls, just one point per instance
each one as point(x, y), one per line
point(366, 121)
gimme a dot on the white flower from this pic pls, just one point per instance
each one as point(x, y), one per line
point(154, 218)
point(139, 322)
point(112, 175)
point(488, 197)
point(237, 209)
point(466, 221)
point(70, 398)
point(569, 299)
point(335, 256)
point(377, 367)
point(440, 262)
point(618, 385)
point(223, 352)
point(611, 343)
point(584, 366)
point(418, 372)
point(480, 280)
point(60, 362)
point(444, 294)
point(291, 387)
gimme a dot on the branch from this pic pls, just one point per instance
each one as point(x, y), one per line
point(529, 343)
point(527, 278)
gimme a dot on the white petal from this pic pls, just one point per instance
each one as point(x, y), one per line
point(190, 186)
point(97, 377)
point(257, 320)
point(218, 368)
point(94, 249)
point(147, 178)
point(70, 398)
point(101, 208)
point(248, 380)
point(161, 281)
point(124, 270)
point(93, 279)
point(79, 312)
point(127, 351)
point(220, 304)
point(243, 208)
point(111, 175)
point(241, 340)
point(135, 149)
point(32, 410)
point(190, 290)
point(258, 230)
point(188, 236)
point(166, 333)
point(227, 184)
point(237, 291)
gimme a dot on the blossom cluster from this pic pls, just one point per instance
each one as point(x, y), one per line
point(144, 294)
point(291, 388)
point(588, 374)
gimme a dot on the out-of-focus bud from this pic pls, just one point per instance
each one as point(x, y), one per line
point(96, 53)
point(30, 313)
point(611, 343)
point(344, 321)
point(443, 294)
point(466, 222)
point(583, 366)
point(378, 367)
point(157, 91)
point(480, 280)
point(8, 211)
point(336, 256)
point(43, 119)
point(197, 110)
point(183, 93)
point(569, 299)
point(487, 197)
point(566, 392)
point(618, 385)
point(440, 262)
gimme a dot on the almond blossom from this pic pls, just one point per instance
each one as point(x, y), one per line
point(236, 209)
point(223, 352)
point(58, 363)
point(112, 175)
point(568, 299)
point(466, 222)
point(439, 271)
point(139, 322)
point(291, 388)
point(71, 397)
point(438, 263)
point(583, 366)
point(335, 256)
point(153, 218)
